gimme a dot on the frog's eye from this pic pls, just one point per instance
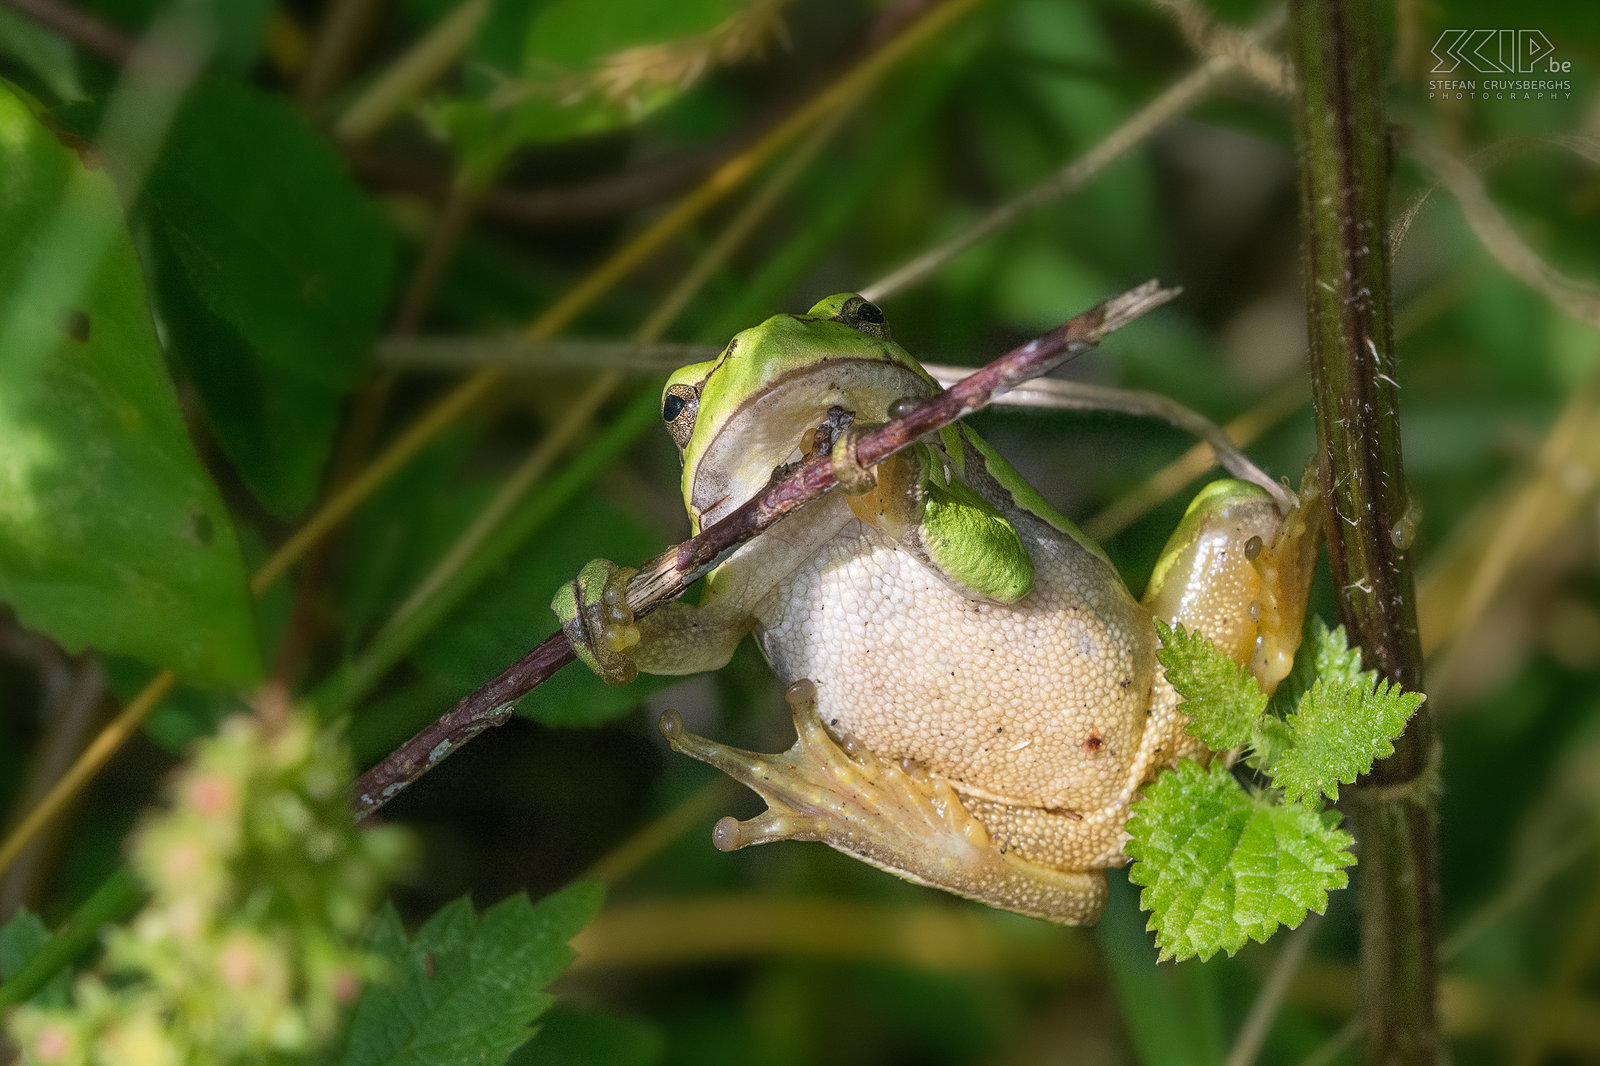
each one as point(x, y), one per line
point(679, 406)
point(860, 315)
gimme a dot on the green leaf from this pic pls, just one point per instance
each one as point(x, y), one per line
point(510, 613)
point(236, 29)
point(111, 533)
point(466, 988)
point(1334, 661)
point(48, 59)
point(273, 270)
point(275, 426)
point(1220, 866)
point(20, 939)
point(1220, 696)
point(532, 79)
point(274, 235)
point(1340, 729)
point(571, 1037)
point(23, 935)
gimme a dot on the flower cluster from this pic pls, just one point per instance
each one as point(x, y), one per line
point(248, 949)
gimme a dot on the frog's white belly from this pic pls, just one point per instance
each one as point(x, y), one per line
point(1037, 704)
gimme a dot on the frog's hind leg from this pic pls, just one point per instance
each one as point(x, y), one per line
point(886, 813)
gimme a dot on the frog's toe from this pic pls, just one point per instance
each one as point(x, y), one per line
point(599, 624)
point(886, 812)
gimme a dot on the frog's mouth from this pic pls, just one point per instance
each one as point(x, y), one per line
point(797, 414)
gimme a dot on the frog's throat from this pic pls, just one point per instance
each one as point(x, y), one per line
point(889, 815)
point(768, 429)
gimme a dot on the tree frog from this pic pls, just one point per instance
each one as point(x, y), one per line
point(976, 693)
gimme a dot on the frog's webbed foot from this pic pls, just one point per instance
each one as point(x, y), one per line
point(885, 813)
point(595, 616)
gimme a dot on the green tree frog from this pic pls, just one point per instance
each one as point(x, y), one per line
point(976, 694)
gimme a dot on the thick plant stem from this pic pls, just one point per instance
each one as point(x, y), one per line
point(1344, 175)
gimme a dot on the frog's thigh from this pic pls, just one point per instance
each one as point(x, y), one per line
point(1166, 739)
point(678, 638)
point(1063, 840)
point(893, 817)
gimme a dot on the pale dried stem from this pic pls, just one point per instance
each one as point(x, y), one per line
point(345, 25)
point(1062, 395)
point(1176, 100)
point(72, 707)
point(1258, 1023)
point(409, 76)
point(1579, 299)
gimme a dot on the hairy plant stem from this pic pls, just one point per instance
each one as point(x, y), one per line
point(1344, 174)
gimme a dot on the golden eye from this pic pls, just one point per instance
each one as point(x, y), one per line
point(679, 405)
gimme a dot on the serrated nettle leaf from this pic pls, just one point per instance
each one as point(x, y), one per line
point(1221, 697)
point(1271, 739)
point(1339, 730)
point(467, 987)
point(1220, 866)
point(111, 533)
point(1335, 661)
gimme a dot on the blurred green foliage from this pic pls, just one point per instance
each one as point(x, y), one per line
point(263, 257)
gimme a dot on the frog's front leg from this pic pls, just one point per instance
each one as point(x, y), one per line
point(675, 638)
point(886, 812)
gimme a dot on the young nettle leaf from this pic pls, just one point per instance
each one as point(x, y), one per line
point(1222, 699)
point(1339, 731)
point(1220, 866)
point(1333, 660)
point(466, 988)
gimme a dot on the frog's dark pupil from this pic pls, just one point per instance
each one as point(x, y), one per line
point(869, 313)
point(671, 408)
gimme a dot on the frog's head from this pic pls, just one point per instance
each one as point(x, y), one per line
point(759, 404)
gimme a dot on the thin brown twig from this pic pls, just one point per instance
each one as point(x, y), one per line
point(1258, 1023)
point(71, 710)
point(1579, 299)
point(667, 575)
